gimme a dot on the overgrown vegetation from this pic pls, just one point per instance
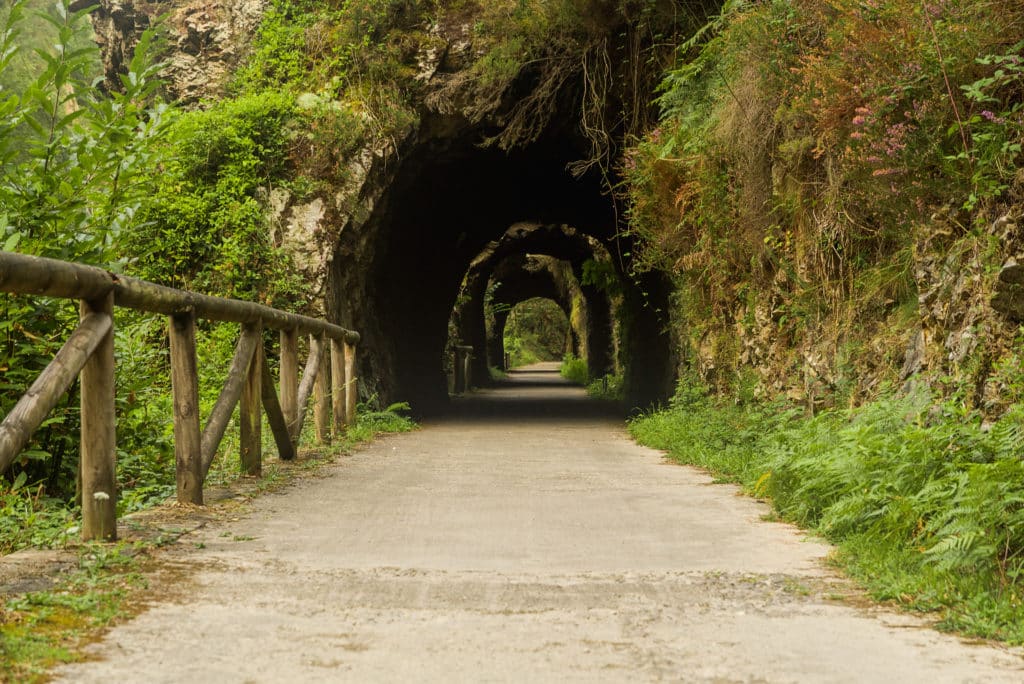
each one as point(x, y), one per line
point(537, 330)
point(608, 54)
point(77, 171)
point(823, 178)
point(810, 158)
point(349, 66)
point(606, 388)
point(925, 504)
point(45, 628)
point(574, 369)
point(610, 387)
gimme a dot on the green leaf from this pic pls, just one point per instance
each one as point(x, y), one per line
point(12, 241)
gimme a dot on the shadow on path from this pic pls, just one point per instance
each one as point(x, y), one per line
point(535, 394)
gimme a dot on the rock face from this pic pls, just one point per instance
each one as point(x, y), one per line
point(961, 332)
point(207, 40)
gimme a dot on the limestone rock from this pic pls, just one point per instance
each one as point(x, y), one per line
point(208, 39)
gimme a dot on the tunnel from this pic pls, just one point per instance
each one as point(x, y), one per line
point(397, 279)
point(532, 260)
point(520, 278)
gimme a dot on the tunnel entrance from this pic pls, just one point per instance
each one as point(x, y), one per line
point(510, 270)
point(452, 202)
point(535, 330)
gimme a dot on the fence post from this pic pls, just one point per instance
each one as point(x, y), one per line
point(290, 377)
point(351, 393)
point(185, 386)
point(321, 402)
point(338, 400)
point(250, 417)
point(98, 461)
point(457, 370)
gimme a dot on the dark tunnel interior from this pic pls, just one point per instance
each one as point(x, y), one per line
point(448, 200)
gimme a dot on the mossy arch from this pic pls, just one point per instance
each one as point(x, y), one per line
point(445, 204)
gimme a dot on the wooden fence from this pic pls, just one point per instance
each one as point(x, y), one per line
point(89, 353)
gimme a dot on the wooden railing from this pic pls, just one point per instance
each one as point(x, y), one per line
point(89, 353)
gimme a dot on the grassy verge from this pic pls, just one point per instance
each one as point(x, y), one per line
point(925, 505)
point(42, 629)
point(608, 388)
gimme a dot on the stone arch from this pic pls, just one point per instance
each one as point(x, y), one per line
point(396, 275)
point(547, 246)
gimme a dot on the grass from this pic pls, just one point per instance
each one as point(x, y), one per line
point(43, 629)
point(925, 507)
point(608, 388)
point(574, 370)
point(29, 518)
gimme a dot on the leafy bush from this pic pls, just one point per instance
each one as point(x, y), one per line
point(74, 177)
point(926, 506)
point(574, 370)
point(206, 228)
point(350, 63)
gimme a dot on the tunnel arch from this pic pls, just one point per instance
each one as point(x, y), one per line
point(438, 211)
point(519, 278)
point(521, 318)
point(499, 262)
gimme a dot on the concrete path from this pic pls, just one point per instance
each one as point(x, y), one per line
point(523, 539)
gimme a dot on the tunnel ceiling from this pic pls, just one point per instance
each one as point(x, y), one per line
point(521, 277)
point(558, 241)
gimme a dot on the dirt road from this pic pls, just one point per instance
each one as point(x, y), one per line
point(525, 538)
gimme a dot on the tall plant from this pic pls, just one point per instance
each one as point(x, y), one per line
point(72, 179)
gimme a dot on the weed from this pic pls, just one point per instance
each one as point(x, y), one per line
point(370, 423)
point(611, 387)
point(575, 370)
point(42, 629)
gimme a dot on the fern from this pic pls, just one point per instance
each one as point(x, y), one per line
point(924, 503)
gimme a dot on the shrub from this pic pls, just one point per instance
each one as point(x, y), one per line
point(74, 179)
point(925, 506)
point(575, 370)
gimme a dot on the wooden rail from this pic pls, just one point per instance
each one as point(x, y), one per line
point(89, 353)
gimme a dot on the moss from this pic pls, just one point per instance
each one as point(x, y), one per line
point(801, 155)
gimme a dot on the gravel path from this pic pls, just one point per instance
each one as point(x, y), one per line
point(525, 538)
